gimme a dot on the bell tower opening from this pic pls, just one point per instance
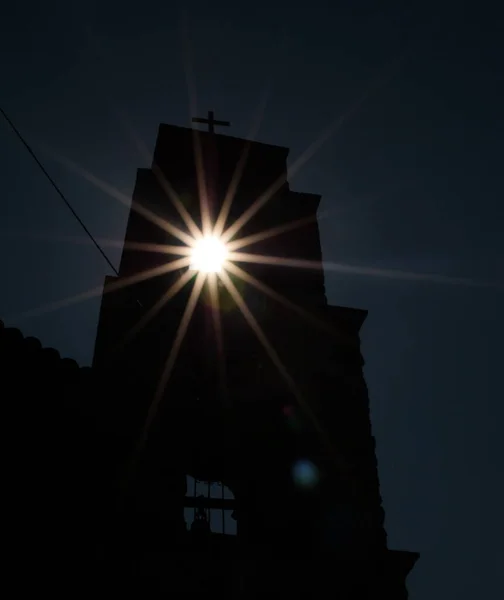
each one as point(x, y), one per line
point(212, 501)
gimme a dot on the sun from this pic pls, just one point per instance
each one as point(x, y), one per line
point(208, 255)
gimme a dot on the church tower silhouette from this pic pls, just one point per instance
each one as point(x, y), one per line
point(264, 392)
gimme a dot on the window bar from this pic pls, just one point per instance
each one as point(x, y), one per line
point(223, 511)
point(194, 494)
point(209, 514)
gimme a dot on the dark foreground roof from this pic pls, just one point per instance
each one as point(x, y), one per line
point(62, 488)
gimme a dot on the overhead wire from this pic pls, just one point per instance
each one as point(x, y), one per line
point(57, 189)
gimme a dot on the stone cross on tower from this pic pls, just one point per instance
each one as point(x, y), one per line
point(211, 121)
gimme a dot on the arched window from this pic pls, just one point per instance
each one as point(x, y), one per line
point(216, 499)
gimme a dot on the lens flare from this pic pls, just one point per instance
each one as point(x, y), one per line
point(208, 255)
point(305, 474)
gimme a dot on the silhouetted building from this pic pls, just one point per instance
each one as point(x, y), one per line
point(293, 442)
point(277, 414)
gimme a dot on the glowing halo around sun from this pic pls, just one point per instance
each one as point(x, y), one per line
point(208, 255)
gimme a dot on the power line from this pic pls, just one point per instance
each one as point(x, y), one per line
point(58, 190)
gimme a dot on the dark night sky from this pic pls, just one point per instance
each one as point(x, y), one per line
point(412, 181)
